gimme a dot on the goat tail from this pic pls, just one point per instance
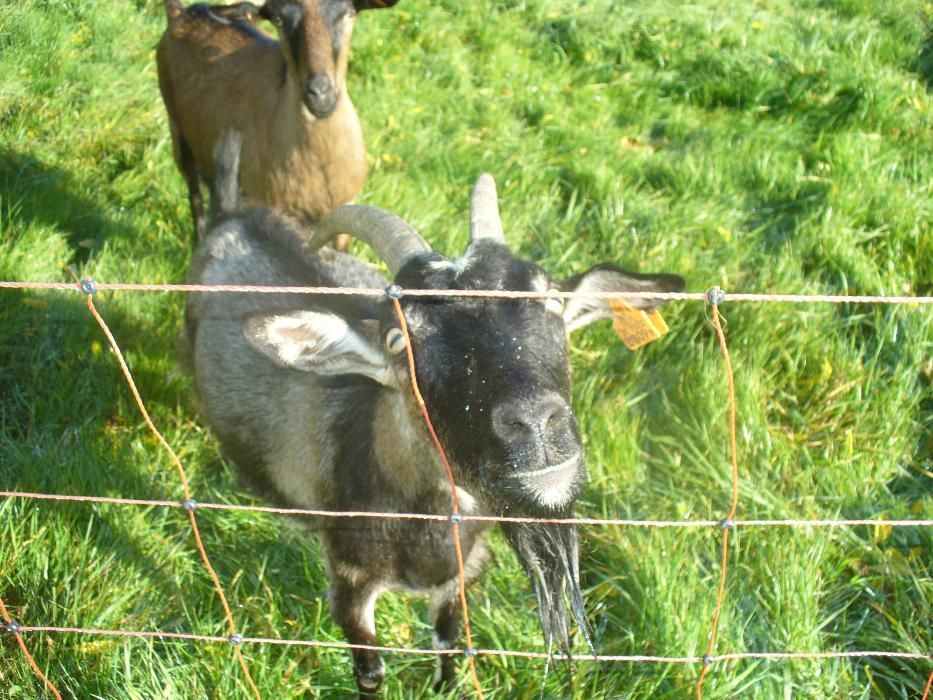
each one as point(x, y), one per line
point(173, 8)
point(225, 189)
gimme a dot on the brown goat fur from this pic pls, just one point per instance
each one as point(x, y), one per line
point(218, 70)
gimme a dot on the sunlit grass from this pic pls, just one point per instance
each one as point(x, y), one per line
point(773, 147)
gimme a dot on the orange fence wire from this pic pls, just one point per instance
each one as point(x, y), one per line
point(189, 503)
point(715, 297)
point(729, 522)
point(454, 502)
point(12, 627)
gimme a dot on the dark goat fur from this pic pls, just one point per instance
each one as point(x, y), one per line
point(303, 149)
point(307, 398)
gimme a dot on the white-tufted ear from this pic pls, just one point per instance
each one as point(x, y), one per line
point(317, 342)
point(579, 312)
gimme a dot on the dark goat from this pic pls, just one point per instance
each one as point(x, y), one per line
point(303, 147)
point(310, 396)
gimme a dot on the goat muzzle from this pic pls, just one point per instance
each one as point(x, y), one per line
point(320, 96)
point(544, 466)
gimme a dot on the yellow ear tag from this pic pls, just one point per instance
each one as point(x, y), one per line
point(634, 326)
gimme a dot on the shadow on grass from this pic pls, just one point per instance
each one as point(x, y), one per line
point(55, 370)
point(61, 399)
point(49, 196)
point(777, 216)
point(68, 425)
point(64, 406)
point(923, 63)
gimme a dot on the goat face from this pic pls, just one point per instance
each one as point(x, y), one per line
point(495, 376)
point(315, 39)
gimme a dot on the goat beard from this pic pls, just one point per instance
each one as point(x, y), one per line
point(549, 553)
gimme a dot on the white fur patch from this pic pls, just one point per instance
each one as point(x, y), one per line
point(462, 264)
point(540, 283)
point(353, 574)
point(466, 501)
point(368, 612)
point(551, 485)
point(230, 242)
point(442, 265)
point(440, 644)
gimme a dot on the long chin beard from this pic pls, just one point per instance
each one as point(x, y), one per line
point(549, 553)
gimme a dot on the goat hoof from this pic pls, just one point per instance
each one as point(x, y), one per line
point(368, 679)
point(445, 683)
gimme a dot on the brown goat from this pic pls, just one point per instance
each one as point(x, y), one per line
point(303, 147)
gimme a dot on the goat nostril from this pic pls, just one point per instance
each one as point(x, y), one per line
point(509, 423)
point(556, 416)
point(532, 419)
point(519, 428)
point(320, 96)
point(319, 87)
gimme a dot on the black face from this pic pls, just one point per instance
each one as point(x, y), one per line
point(495, 377)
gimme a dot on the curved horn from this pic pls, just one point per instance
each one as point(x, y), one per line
point(484, 211)
point(393, 240)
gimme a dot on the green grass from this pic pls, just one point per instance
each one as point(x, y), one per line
point(779, 146)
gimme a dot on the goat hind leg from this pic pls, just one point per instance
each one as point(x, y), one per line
point(190, 172)
point(342, 242)
point(353, 608)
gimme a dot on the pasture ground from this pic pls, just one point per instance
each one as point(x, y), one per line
point(761, 145)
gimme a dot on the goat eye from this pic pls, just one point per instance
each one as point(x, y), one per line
point(555, 304)
point(395, 341)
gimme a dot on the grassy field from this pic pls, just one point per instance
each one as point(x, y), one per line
point(761, 145)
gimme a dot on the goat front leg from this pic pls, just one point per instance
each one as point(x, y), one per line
point(446, 612)
point(353, 607)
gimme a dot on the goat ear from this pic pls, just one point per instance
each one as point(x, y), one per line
point(317, 342)
point(361, 5)
point(609, 278)
point(241, 12)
